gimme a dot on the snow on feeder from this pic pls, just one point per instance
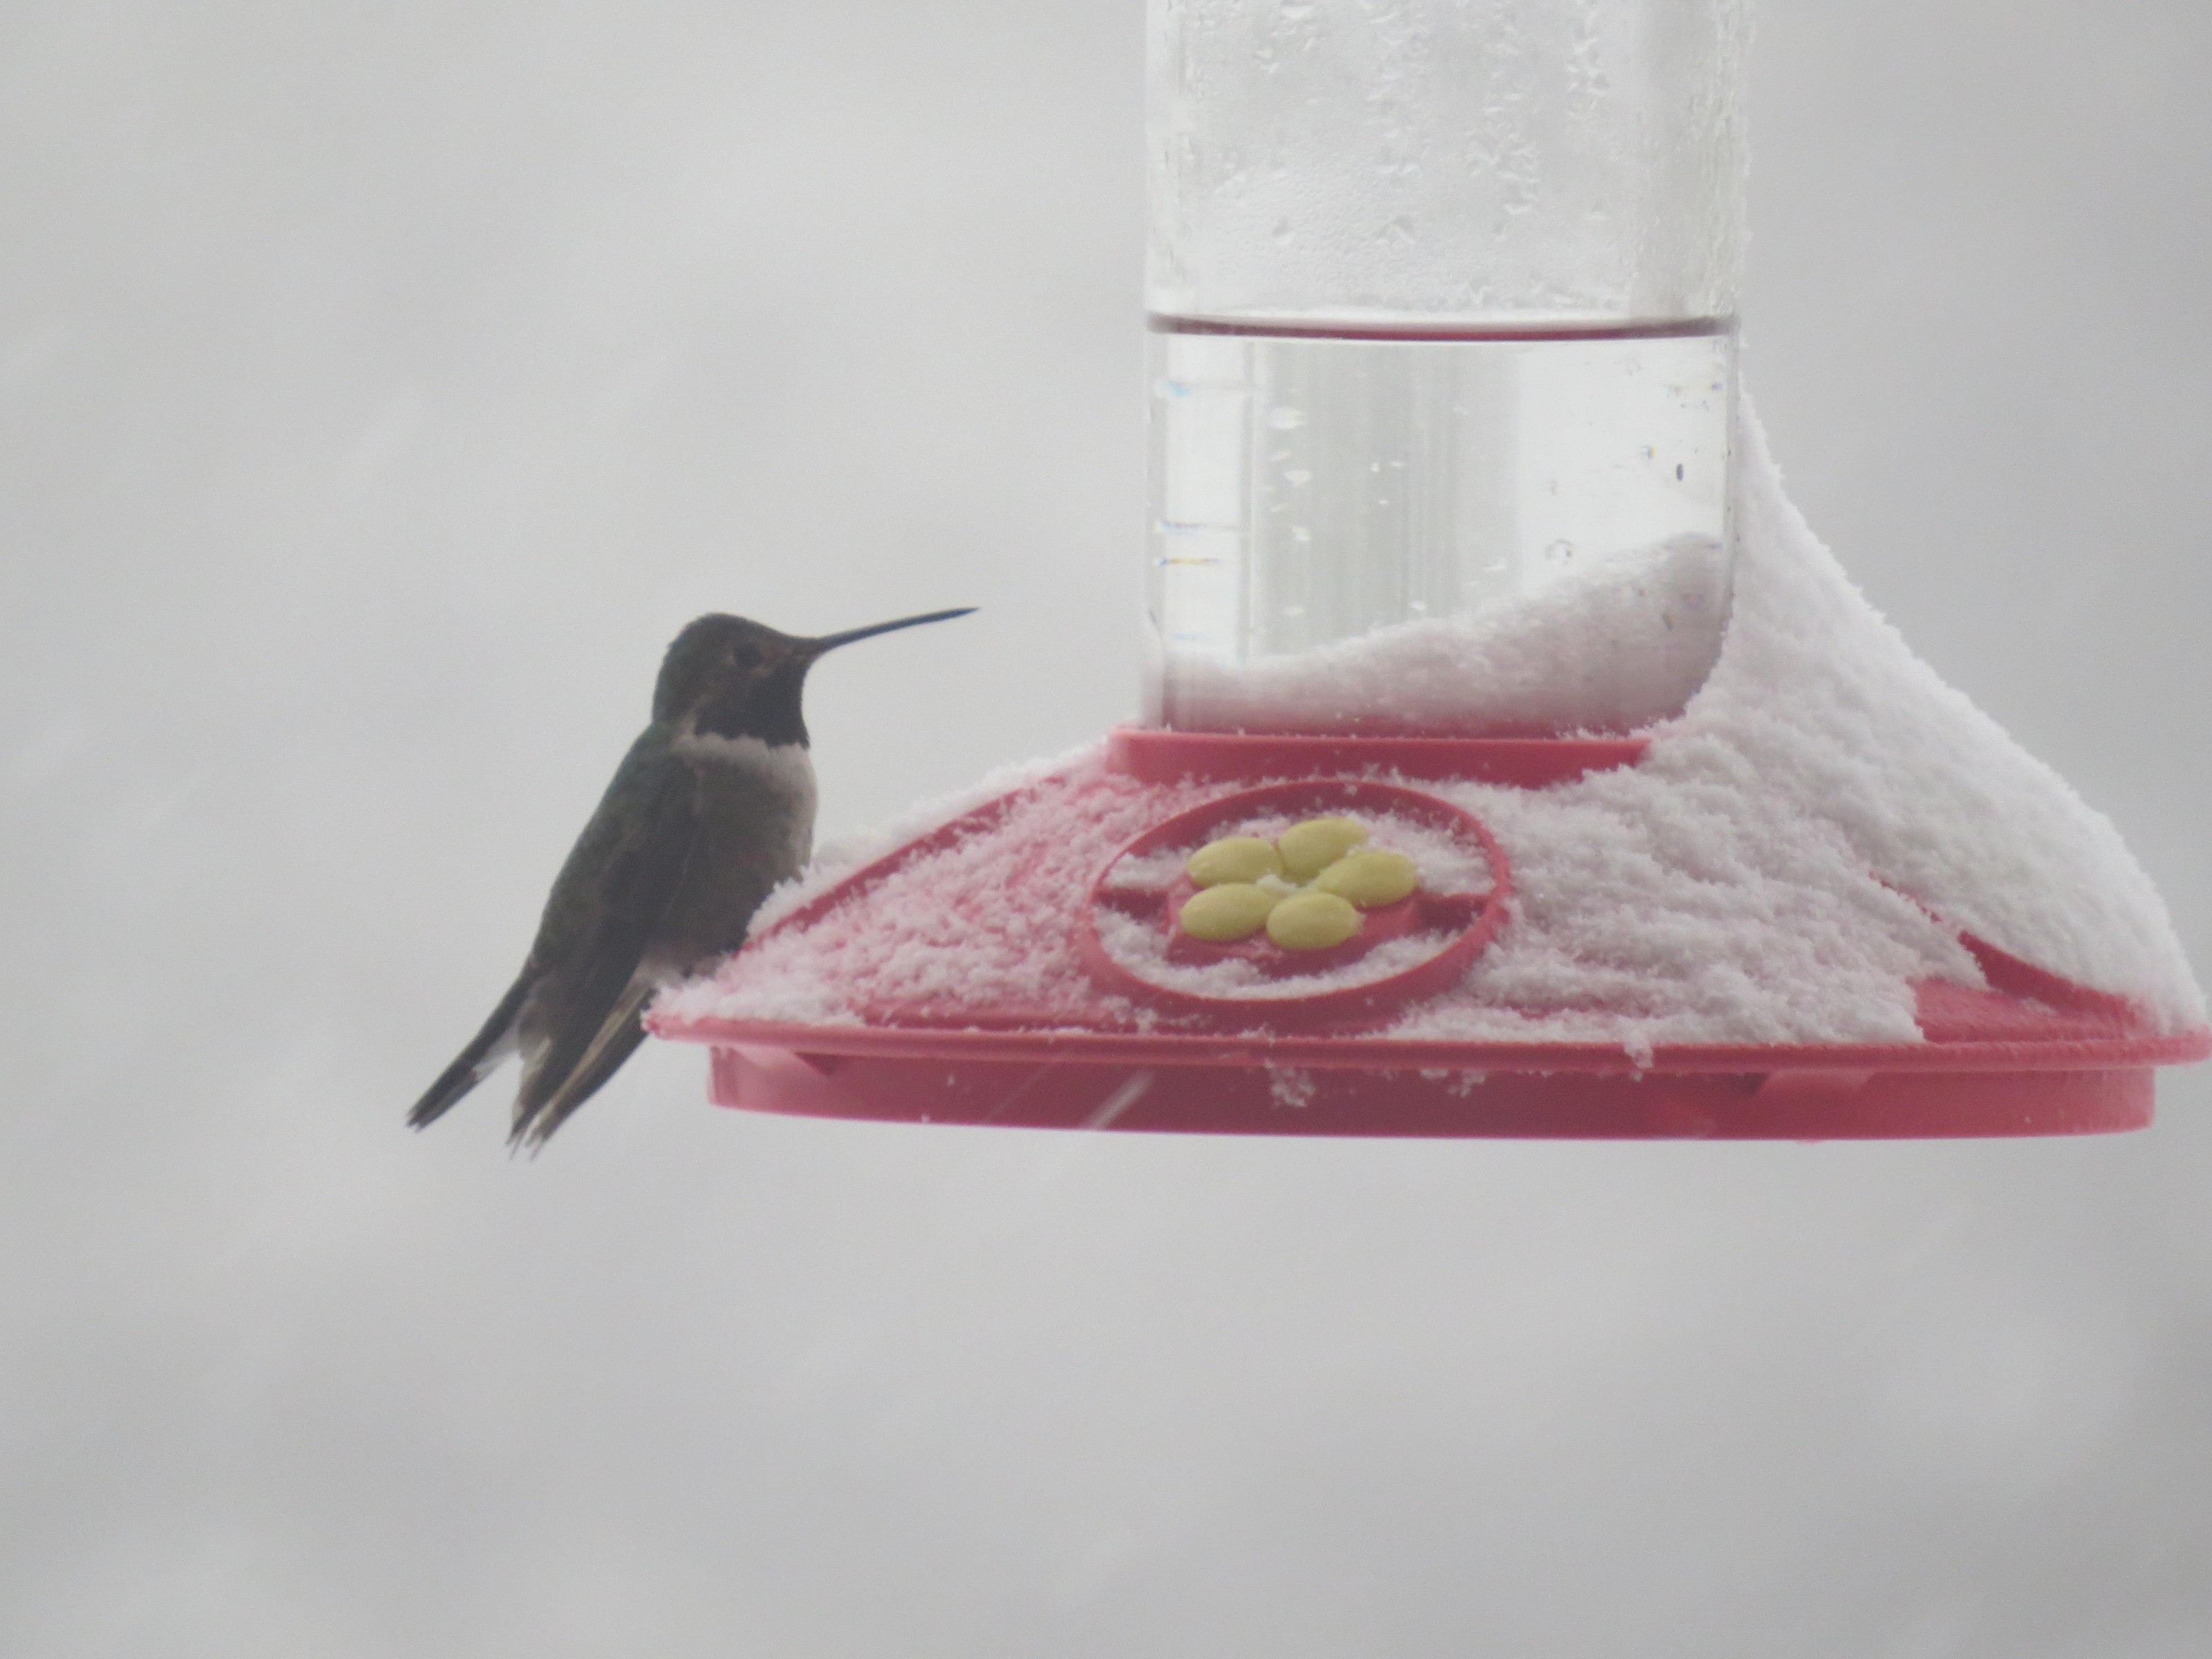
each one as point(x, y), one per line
point(1515, 760)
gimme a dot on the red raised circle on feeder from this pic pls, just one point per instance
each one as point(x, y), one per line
point(1130, 937)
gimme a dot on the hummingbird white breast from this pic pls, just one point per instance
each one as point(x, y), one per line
point(766, 794)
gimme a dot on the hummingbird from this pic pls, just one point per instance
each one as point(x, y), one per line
point(712, 807)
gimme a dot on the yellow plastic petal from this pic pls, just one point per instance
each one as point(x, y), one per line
point(1312, 921)
point(1311, 848)
point(1234, 857)
point(1370, 877)
point(1233, 910)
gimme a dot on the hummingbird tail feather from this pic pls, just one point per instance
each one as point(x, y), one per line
point(540, 1109)
point(474, 1063)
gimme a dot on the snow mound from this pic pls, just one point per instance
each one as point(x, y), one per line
point(1619, 644)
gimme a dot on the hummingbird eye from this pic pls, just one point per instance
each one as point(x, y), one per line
point(746, 656)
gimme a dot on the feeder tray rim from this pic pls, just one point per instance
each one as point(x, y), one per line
point(972, 1043)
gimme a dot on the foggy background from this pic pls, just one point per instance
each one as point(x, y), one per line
point(381, 387)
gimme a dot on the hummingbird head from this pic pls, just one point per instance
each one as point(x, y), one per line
point(729, 677)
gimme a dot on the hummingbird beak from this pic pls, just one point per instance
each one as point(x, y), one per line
point(815, 647)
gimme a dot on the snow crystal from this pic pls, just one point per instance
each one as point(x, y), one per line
point(1771, 871)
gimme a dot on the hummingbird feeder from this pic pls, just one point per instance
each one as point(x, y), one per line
point(1514, 760)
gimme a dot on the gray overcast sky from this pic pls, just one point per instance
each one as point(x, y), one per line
point(379, 387)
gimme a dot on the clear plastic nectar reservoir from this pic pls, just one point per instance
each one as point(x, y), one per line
point(1443, 363)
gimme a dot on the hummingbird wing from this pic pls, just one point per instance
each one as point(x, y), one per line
point(478, 1060)
point(583, 1019)
point(616, 1039)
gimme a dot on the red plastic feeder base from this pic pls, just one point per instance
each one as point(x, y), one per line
point(2030, 1054)
point(1257, 1098)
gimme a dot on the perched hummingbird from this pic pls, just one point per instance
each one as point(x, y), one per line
point(712, 805)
